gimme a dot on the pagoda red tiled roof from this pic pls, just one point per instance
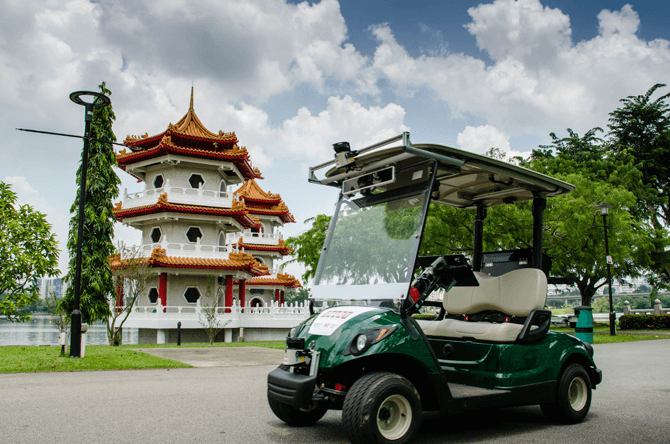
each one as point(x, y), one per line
point(238, 211)
point(252, 192)
point(281, 248)
point(280, 210)
point(236, 155)
point(236, 261)
point(285, 280)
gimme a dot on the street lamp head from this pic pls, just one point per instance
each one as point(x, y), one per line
point(604, 208)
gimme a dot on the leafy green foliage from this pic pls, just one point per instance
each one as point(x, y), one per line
point(641, 128)
point(28, 250)
point(644, 322)
point(307, 246)
point(101, 187)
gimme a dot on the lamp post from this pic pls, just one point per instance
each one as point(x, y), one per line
point(99, 100)
point(604, 209)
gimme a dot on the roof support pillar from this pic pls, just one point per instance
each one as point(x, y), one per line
point(539, 204)
point(243, 290)
point(229, 293)
point(281, 301)
point(162, 289)
point(479, 236)
point(277, 295)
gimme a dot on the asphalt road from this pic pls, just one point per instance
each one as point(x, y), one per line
point(227, 404)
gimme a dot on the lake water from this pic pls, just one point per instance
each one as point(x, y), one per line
point(42, 331)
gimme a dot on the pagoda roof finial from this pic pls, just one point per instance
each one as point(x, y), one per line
point(191, 106)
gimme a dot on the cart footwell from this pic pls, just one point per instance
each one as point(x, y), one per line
point(465, 397)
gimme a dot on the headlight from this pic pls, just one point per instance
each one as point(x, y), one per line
point(364, 340)
point(361, 342)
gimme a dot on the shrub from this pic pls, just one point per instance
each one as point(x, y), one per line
point(644, 322)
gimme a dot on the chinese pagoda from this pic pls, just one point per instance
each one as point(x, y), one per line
point(207, 229)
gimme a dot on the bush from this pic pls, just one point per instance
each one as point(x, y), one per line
point(644, 322)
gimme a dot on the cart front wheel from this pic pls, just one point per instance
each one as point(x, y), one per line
point(381, 408)
point(573, 397)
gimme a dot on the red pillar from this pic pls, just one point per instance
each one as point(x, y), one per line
point(277, 295)
point(162, 289)
point(282, 297)
point(243, 290)
point(119, 297)
point(229, 292)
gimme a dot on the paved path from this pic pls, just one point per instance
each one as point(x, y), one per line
point(220, 356)
point(228, 404)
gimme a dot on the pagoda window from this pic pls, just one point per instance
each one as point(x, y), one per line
point(192, 294)
point(196, 180)
point(223, 187)
point(158, 181)
point(222, 239)
point(156, 235)
point(193, 234)
point(260, 260)
point(153, 295)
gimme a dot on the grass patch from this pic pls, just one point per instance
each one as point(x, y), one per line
point(607, 339)
point(28, 359)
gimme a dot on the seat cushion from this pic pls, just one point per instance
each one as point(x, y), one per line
point(515, 293)
point(483, 331)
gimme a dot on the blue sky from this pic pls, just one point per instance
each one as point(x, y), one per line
point(292, 78)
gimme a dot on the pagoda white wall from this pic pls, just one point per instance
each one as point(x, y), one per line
point(175, 231)
point(179, 175)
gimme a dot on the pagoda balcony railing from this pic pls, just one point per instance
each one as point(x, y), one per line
point(189, 250)
point(274, 315)
point(248, 237)
point(178, 195)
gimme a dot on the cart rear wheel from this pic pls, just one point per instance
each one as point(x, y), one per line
point(293, 416)
point(573, 397)
point(381, 408)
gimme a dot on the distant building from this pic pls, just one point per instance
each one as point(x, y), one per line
point(49, 285)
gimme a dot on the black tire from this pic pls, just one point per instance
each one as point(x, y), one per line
point(293, 416)
point(381, 408)
point(573, 397)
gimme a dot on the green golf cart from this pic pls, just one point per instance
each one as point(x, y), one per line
point(364, 353)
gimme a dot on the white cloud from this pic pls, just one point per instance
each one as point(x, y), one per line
point(482, 138)
point(538, 81)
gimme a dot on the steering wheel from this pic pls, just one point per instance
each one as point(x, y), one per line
point(444, 272)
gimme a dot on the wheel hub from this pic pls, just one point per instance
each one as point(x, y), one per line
point(394, 417)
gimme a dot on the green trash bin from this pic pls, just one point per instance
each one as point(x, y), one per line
point(584, 327)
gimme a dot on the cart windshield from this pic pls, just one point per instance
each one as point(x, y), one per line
point(373, 245)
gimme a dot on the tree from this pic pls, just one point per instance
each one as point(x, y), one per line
point(131, 275)
point(298, 295)
point(641, 128)
point(307, 246)
point(101, 187)
point(28, 250)
point(209, 316)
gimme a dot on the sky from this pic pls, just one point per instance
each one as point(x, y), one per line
point(292, 78)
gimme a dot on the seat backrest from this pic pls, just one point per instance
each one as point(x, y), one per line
point(516, 293)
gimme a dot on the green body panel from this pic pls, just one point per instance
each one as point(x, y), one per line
point(333, 347)
point(486, 365)
point(493, 365)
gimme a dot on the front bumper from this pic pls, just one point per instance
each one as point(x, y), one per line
point(291, 388)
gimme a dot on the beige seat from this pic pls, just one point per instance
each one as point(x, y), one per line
point(516, 293)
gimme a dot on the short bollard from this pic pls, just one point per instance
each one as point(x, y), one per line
point(178, 333)
point(584, 327)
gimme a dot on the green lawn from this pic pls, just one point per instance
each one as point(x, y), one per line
point(26, 359)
